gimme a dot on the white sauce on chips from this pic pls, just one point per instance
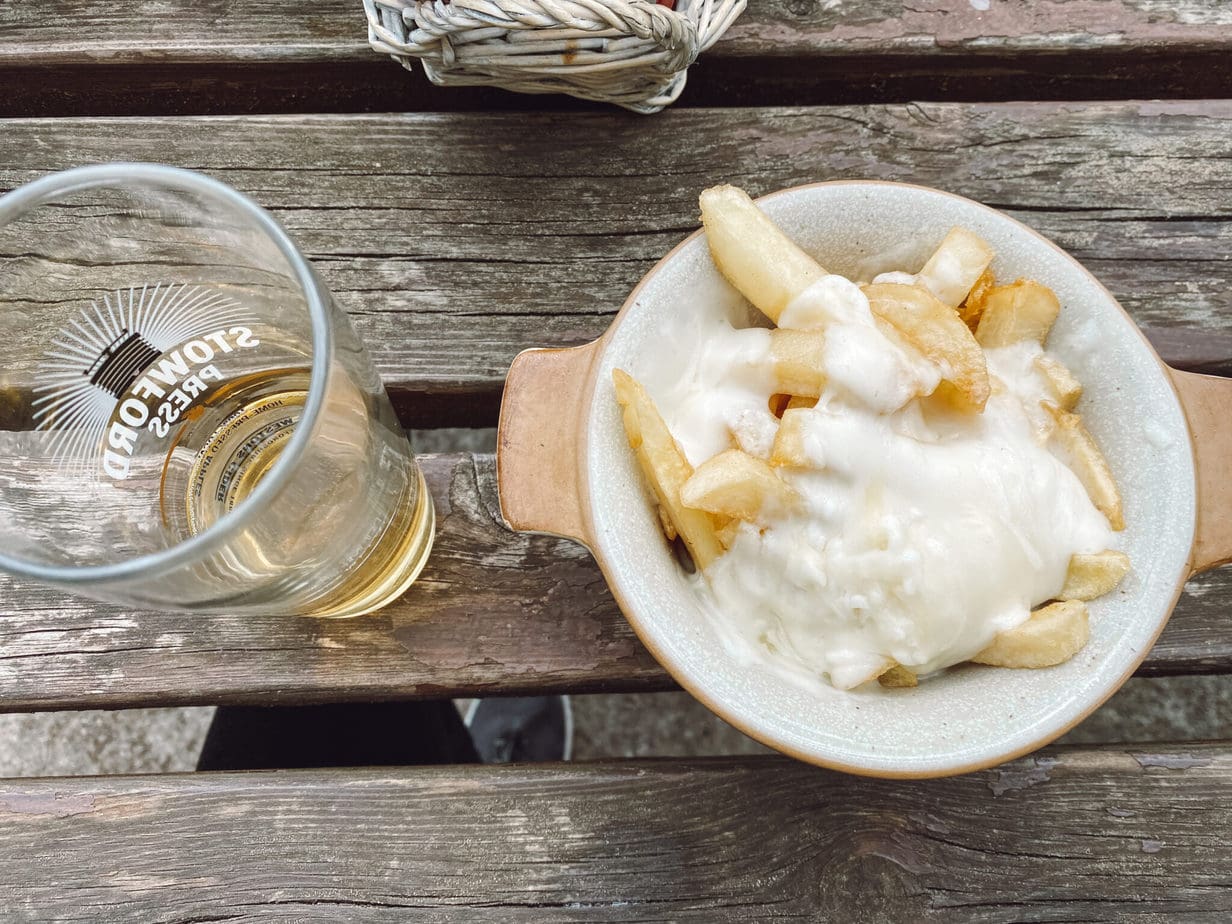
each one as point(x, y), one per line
point(944, 277)
point(861, 362)
point(922, 533)
point(723, 392)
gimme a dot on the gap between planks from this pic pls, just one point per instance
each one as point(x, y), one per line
point(95, 57)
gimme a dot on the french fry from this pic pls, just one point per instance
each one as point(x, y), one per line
point(735, 484)
point(665, 467)
point(1091, 576)
point(753, 433)
point(1053, 634)
point(940, 335)
point(956, 264)
point(758, 259)
point(898, 677)
point(728, 531)
point(950, 315)
point(789, 448)
point(1023, 310)
point(1082, 454)
point(973, 305)
point(1065, 388)
point(853, 677)
point(666, 524)
point(797, 356)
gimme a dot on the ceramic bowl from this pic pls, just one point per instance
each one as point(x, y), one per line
point(565, 468)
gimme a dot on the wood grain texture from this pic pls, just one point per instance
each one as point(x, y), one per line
point(179, 56)
point(1069, 834)
point(848, 28)
point(221, 31)
point(455, 241)
point(182, 31)
point(494, 612)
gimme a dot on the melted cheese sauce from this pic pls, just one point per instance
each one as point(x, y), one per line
point(922, 532)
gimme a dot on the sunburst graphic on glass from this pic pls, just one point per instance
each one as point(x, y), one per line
point(94, 358)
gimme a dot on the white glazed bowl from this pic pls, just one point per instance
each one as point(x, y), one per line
point(971, 716)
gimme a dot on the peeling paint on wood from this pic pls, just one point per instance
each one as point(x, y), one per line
point(1022, 775)
point(54, 804)
point(1170, 761)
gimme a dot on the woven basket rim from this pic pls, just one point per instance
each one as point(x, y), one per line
point(634, 53)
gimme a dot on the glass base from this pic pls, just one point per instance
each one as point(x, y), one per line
point(392, 566)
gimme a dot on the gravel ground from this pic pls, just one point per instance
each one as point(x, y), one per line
point(630, 725)
point(79, 743)
point(676, 725)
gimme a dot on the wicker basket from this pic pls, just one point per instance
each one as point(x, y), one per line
point(630, 52)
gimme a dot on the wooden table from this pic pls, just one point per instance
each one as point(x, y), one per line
point(473, 224)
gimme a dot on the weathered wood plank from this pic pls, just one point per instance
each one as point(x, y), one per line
point(336, 30)
point(798, 28)
point(841, 51)
point(1070, 834)
point(457, 240)
point(177, 56)
point(494, 612)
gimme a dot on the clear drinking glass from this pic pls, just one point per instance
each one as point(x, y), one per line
point(187, 420)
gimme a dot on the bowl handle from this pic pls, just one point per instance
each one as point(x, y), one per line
point(539, 441)
point(1207, 401)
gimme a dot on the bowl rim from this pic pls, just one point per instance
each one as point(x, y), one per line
point(698, 691)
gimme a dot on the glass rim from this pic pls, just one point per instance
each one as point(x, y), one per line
point(47, 189)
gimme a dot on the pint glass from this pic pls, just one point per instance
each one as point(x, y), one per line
point(187, 420)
